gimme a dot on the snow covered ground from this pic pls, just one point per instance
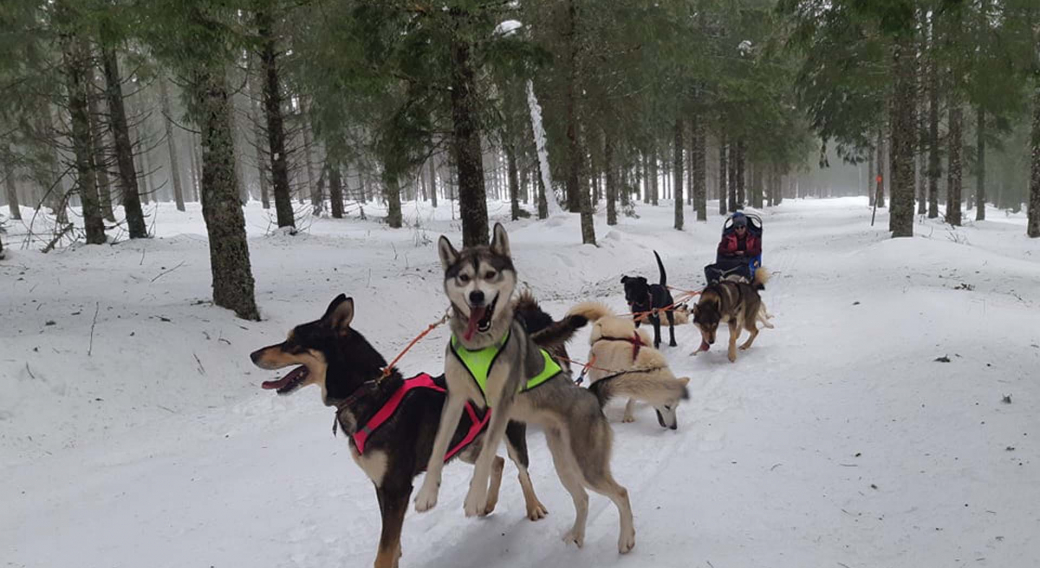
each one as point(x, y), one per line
point(133, 431)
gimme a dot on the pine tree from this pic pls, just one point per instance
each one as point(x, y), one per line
point(77, 69)
point(12, 194)
point(171, 145)
point(1033, 222)
point(677, 167)
point(335, 188)
point(723, 175)
point(904, 134)
point(272, 103)
point(953, 178)
point(127, 178)
point(611, 181)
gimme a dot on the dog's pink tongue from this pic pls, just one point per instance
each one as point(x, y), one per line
point(705, 346)
point(268, 385)
point(475, 315)
point(280, 383)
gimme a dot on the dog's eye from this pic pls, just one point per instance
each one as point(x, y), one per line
point(464, 278)
point(489, 275)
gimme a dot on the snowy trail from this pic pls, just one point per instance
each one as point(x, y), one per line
point(836, 440)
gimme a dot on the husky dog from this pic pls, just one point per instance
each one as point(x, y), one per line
point(492, 361)
point(622, 363)
point(643, 297)
point(389, 421)
point(735, 303)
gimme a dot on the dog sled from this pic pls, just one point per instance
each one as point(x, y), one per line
point(741, 268)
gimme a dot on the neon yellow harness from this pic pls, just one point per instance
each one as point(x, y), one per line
point(479, 363)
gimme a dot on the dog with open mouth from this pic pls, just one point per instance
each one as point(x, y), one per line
point(493, 362)
point(391, 421)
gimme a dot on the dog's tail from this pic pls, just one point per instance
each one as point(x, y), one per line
point(591, 311)
point(761, 277)
point(660, 266)
point(657, 389)
point(558, 333)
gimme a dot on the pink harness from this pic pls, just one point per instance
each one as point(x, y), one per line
point(421, 381)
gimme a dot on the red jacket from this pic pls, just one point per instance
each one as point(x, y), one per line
point(750, 245)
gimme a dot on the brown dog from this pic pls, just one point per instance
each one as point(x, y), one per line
point(735, 303)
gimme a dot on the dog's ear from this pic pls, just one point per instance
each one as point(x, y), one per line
point(624, 279)
point(447, 252)
point(340, 313)
point(499, 240)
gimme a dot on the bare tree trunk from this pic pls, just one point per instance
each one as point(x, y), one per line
point(700, 169)
point(225, 224)
point(880, 197)
point(76, 67)
point(12, 194)
point(143, 168)
point(196, 167)
point(543, 205)
point(574, 153)
point(588, 228)
point(1033, 224)
point(741, 173)
point(433, 183)
point(275, 121)
point(655, 187)
point(317, 195)
point(335, 188)
point(466, 145)
point(127, 179)
point(904, 134)
point(980, 161)
point(732, 173)
point(392, 195)
point(514, 183)
point(934, 164)
point(921, 184)
point(677, 165)
point(611, 178)
point(872, 177)
point(100, 156)
point(953, 179)
point(262, 168)
point(175, 173)
point(723, 176)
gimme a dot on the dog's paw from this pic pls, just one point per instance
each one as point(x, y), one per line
point(575, 536)
point(426, 499)
point(628, 419)
point(744, 347)
point(732, 357)
point(476, 502)
point(626, 542)
point(672, 344)
point(537, 512)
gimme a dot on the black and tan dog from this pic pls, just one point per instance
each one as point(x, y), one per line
point(390, 422)
point(643, 297)
point(735, 303)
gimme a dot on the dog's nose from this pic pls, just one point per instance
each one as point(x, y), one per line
point(476, 297)
point(255, 356)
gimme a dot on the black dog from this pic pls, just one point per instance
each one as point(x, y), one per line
point(643, 297)
point(393, 449)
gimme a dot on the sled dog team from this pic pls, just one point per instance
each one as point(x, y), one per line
point(506, 365)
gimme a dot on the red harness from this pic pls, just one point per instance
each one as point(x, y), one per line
point(421, 381)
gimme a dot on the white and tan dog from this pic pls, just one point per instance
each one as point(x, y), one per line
point(624, 363)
